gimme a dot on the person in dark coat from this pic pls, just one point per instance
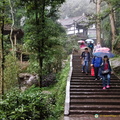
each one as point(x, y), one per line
point(86, 59)
point(106, 72)
point(91, 46)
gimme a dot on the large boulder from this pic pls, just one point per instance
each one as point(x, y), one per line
point(115, 63)
point(27, 80)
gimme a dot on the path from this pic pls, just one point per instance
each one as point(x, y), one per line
point(87, 98)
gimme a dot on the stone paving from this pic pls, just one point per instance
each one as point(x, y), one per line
point(77, 88)
point(92, 117)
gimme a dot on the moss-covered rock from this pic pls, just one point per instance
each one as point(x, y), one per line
point(115, 63)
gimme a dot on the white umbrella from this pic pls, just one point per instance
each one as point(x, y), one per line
point(89, 40)
point(81, 41)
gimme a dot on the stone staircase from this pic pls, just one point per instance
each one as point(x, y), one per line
point(87, 95)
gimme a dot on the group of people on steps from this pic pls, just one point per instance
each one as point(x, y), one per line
point(102, 68)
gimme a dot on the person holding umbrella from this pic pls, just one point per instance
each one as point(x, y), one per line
point(106, 72)
point(96, 63)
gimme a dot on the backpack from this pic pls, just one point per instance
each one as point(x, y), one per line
point(91, 46)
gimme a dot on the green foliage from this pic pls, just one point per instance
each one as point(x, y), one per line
point(54, 53)
point(28, 105)
point(70, 43)
point(40, 28)
point(106, 30)
point(106, 27)
point(11, 71)
point(36, 103)
point(58, 92)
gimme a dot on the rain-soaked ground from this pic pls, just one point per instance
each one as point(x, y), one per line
point(93, 117)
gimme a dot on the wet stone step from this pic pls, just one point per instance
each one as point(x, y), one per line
point(89, 78)
point(94, 90)
point(94, 87)
point(94, 107)
point(77, 73)
point(92, 80)
point(82, 77)
point(105, 92)
point(93, 112)
point(95, 101)
point(87, 95)
point(95, 97)
point(89, 75)
point(91, 83)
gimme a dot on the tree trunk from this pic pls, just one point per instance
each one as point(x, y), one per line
point(98, 22)
point(43, 39)
point(112, 23)
point(11, 32)
point(40, 21)
point(0, 63)
point(2, 57)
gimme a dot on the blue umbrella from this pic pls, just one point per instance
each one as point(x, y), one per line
point(102, 54)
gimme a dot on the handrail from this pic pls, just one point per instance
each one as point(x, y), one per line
point(67, 98)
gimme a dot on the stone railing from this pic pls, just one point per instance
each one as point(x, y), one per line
point(67, 98)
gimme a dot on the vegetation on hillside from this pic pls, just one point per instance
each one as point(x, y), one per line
point(35, 103)
point(47, 45)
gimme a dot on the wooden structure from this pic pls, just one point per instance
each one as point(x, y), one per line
point(17, 35)
point(79, 26)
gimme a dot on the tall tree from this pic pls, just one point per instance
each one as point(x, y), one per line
point(1, 46)
point(42, 11)
point(112, 23)
point(98, 21)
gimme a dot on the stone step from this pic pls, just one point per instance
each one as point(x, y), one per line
point(90, 77)
point(87, 95)
point(92, 80)
point(95, 97)
point(105, 92)
point(93, 112)
point(94, 107)
point(91, 83)
point(74, 89)
point(94, 87)
point(95, 101)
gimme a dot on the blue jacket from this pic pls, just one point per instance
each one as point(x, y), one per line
point(97, 61)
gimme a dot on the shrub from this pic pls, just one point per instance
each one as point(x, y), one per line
point(36, 103)
point(48, 80)
point(28, 105)
point(58, 93)
point(11, 71)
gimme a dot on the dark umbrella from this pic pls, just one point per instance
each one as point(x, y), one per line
point(102, 54)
